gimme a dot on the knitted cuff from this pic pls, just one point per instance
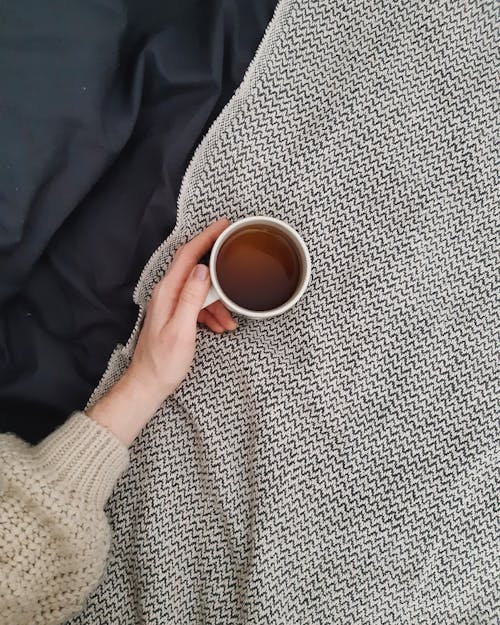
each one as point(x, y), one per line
point(84, 457)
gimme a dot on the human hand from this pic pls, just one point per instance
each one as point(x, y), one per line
point(166, 344)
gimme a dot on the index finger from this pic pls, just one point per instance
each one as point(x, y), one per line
point(200, 245)
point(167, 291)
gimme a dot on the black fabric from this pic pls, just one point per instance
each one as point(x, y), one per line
point(102, 104)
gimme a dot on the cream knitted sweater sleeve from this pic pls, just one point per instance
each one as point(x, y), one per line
point(54, 534)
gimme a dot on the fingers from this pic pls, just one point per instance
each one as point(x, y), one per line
point(210, 321)
point(222, 315)
point(217, 317)
point(191, 298)
point(194, 250)
point(167, 291)
point(188, 255)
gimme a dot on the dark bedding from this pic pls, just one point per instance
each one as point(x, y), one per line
point(102, 104)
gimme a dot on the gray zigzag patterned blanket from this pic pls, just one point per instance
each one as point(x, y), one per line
point(337, 465)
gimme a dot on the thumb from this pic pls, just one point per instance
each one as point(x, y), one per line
point(192, 297)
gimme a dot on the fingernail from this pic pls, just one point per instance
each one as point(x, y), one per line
point(201, 272)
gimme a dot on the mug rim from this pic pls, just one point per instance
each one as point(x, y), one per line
point(247, 312)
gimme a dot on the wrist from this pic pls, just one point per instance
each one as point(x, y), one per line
point(127, 407)
point(144, 387)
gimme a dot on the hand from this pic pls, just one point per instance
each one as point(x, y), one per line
point(166, 344)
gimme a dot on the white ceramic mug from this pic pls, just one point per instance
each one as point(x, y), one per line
point(216, 291)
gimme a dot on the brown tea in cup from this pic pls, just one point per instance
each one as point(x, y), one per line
point(258, 267)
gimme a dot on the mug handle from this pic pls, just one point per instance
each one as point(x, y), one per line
point(211, 297)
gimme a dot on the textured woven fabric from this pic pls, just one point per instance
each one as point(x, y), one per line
point(336, 465)
point(54, 535)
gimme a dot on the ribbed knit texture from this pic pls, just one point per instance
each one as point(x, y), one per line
point(338, 465)
point(54, 535)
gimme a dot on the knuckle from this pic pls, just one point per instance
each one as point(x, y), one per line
point(185, 250)
point(190, 297)
point(181, 251)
